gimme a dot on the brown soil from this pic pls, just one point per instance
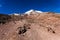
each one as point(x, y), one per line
point(30, 27)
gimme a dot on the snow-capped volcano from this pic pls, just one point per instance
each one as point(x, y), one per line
point(30, 11)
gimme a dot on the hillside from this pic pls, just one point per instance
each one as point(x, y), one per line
point(32, 26)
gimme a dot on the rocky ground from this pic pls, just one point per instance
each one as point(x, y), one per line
point(36, 26)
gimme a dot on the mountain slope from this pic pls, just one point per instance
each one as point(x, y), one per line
point(36, 26)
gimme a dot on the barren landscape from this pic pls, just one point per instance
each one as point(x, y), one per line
point(35, 26)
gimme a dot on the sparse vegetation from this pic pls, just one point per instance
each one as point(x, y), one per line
point(22, 30)
point(4, 18)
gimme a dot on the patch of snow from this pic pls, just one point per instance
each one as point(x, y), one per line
point(38, 11)
point(16, 14)
point(28, 12)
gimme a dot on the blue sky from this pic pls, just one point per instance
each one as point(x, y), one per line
point(21, 6)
